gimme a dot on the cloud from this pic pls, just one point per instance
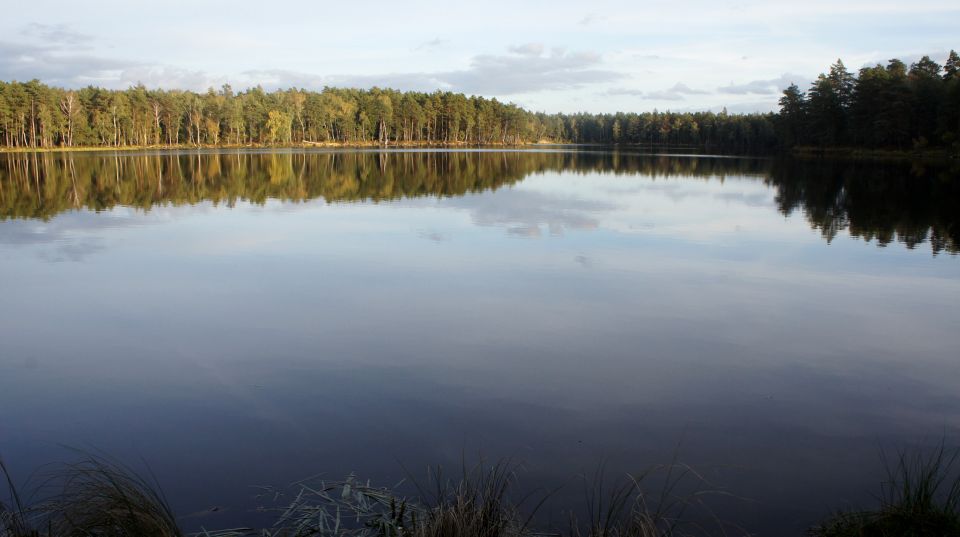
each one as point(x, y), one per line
point(55, 33)
point(527, 49)
point(764, 87)
point(676, 93)
point(167, 76)
point(526, 68)
point(507, 74)
point(589, 19)
point(624, 91)
point(54, 65)
point(432, 44)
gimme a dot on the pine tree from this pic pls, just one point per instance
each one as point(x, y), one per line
point(951, 69)
point(793, 107)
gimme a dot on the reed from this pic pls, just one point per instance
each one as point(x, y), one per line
point(920, 497)
point(15, 517)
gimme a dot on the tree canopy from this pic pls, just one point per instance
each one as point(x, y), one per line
point(36, 115)
point(883, 106)
point(890, 106)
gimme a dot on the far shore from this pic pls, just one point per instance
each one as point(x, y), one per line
point(879, 154)
point(293, 145)
point(803, 151)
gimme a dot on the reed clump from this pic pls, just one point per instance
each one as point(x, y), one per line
point(93, 497)
point(14, 517)
point(920, 497)
point(482, 502)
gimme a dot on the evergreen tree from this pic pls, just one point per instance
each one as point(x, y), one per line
point(793, 110)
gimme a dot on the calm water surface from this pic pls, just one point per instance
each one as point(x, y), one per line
point(246, 318)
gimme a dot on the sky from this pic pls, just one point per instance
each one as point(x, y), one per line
point(552, 56)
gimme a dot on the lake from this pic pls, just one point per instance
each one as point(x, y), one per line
point(239, 318)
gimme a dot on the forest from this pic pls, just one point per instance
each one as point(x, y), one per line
point(890, 107)
point(885, 107)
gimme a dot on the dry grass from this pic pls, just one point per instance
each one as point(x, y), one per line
point(482, 501)
point(103, 498)
point(95, 497)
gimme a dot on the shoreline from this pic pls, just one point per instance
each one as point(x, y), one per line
point(297, 145)
point(941, 154)
point(874, 154)
point(103, 496)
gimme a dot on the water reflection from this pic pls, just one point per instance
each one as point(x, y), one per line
point(883, 202)
point(352, 310)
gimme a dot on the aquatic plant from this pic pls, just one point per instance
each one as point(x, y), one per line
point(476, 504)
point(94, 497)
point(99, 497)
point(919, 498)
point(104, 498)
point(15, 518)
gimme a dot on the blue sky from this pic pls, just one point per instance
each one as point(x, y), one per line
point(598, 56)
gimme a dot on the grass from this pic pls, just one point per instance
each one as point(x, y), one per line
point(99, 497)
point(95, 497)
point(475, 505)
point(482, 501)
point(14, 519)
point(919, 498)
point(626, 509)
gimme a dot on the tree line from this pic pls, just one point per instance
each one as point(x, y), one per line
point(34, 115)
point(892, 106)
point(883, 106)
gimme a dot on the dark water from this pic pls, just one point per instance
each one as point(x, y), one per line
point(253, 318)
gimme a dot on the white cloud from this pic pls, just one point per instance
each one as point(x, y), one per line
point(525, 69)
point(633, 92)
point(677, 92)
point(432, 44)
point(771, 86)
point(55, 33)
point(589, 18)
point(527, 49)
point(54, 64)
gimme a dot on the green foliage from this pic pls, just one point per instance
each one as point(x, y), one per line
point(35, 115)
point(279, 127)
point(888, 107)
